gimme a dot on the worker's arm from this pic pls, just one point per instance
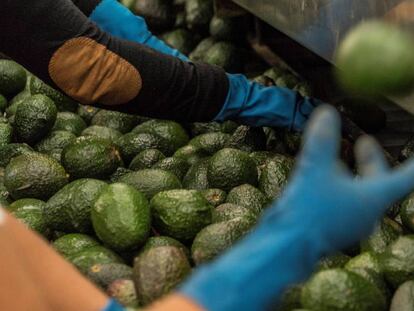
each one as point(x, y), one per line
point(58, 43)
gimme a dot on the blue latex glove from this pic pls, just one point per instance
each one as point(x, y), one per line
point(323, 209)
point(254, 104)
point(113, 306)
point(113, 17)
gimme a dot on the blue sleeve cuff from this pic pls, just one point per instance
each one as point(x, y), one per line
point(113, 306)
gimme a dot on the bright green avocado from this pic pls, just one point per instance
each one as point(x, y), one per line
point(72, 243)
point(121, 217)
point(180, 214)
point(54, 141)
point(12, 77)
point(247, 196)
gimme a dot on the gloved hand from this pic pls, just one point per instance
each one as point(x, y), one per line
point(323, 209)
point(254, 104)
point(113, 17)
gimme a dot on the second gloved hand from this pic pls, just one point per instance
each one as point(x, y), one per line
point(254, 104)
point(119, 21)
point(323, 209)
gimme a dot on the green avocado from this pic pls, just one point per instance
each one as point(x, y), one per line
point(229, 168)
point(196, 177)
point(12, 77)
point(146, 159)
point(34, 175)
point(407, 213)
point(337, 260)
point(56, 140)
point(102, 132)
point(198, 14)
point(10, 151)
point(132, 144)
point(171, 132)
point(158, 271)
point(397, 262)
point(34, 119)
point(72, 243)
point(121, 217)
point(274, 176)
point(341, 290)
point(91, 256)
point(91, 157)
point(181, 40)
point(103, 275)
point(190, 153)
point(120, 171)
point(119, 121)
point(216, 238)
point(200, 51)
point(214, 196)
point(30, 212)
point(247, 138)
point(6, 134)
point(70, 208)
point(386, 232)
point(87, 112)
point(225, 55)
point(157, 241)
point(210, 143)
point(123, 291)
point(364, 260)
point(180, 214)
point(247, 196)
point(228, 211)
point(151, 181)
point(179, 167)
point(3, 104)
point(69, 121)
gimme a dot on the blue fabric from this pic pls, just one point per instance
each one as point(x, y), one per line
point(113, 306)
point(324, 208)
point(113, 17)
point(256, 105)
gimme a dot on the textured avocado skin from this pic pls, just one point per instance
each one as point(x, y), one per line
point(274, 176)
point(386, 232)
point(210, 143)
point(70, 208)
point(157, 241)
point(214, 196)
point(196, 177)
point(10, 151)
point(171, 132)
point(247, 196)
point(123, 291)
point(230, 168)
point(364, 260)
point(337, 260)
point(407, 213)
point(146, 159)
point(30, 212)
point(73, 243)
point(181, 40)
point(12, 77)
point(119, 121)
point(132, 144)
point(87, 112)
point(91, 157)
point(397, 261)
point(190, 153)
point(151, 181)
point(55, 140)
point(103, 275)
point(91, 256)
point(198, 14)
point(102, 132)
point(6, 133)
point(34, 118)
point(121, 217)
point(69, 121)
point(340, 290)
point(34, 175)
point(229, 211)
point(403, 299)
point(158, 271)
point(180, 214)
point(215, 238)
point(177, 166)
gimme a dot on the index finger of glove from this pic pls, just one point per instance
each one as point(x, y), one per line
point(322, 138)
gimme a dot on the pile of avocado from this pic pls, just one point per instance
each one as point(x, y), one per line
point(136, 204)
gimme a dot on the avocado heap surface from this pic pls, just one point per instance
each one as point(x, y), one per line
point(136, 203)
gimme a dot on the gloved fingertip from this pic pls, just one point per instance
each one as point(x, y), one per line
point(370, 157)
point(322, 135)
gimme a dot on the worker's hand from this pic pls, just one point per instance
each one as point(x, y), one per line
point(113, 17)
point(323, 209)
point(257, 105)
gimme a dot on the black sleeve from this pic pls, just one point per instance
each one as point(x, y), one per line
point(56, 41)
point(86, 6)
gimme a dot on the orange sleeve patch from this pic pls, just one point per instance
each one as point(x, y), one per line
point(90, 73)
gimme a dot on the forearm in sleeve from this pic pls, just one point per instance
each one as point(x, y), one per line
point(58, 43)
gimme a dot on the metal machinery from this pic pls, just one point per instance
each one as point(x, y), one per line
point(305, 34)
